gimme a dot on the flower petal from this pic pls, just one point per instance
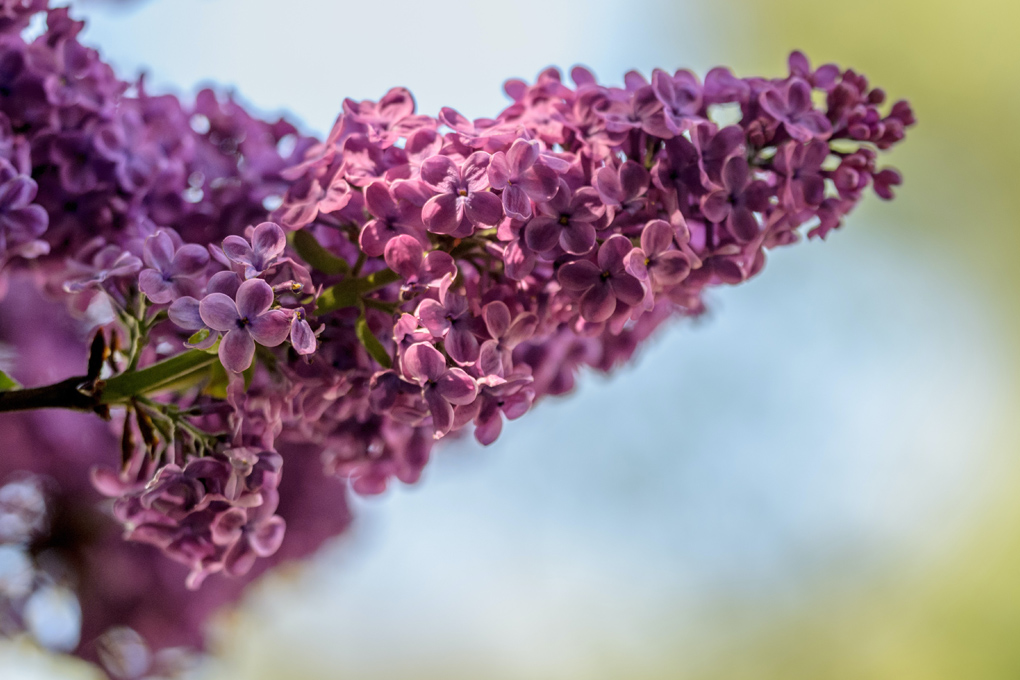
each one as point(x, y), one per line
point(268, 241)
point(423, 363)
point(542, 233)
point(497, 318)
point(237, 349)
point(483, 207)
point(457, 387)
point(184, 313)
point(189, 260)
point(158, 251)
point(579, 275)
point(598, 303)
point(404, 256)
point(271, 328)
point(442, 214)
point(219, 312)
point(254, 297)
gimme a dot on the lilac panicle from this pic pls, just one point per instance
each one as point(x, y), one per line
point(407, 278)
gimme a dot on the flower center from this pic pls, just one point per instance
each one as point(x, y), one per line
point(243, 322)
point(564, 220)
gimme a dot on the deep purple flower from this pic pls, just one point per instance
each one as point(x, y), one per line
point(790, 104)
point(601, 285)
point(245, 322)
point(267, 244)
point(680, 95)
point(451, 321)
point(463, 201)
point(824, 77)
point(442, 387)
point(736, 202)
point(495, 357)
point(568, 219)
point(172, 271)
point(521, 178)
point(800, 167)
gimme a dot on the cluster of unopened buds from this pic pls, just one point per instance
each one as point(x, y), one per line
point(257, 292)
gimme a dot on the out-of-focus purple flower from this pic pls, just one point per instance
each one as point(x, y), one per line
point(172, 270)
point(680, 95)
point(602, 285)
point(521, 178)
point(800, 167)
point(267, 244)
point(568, 220)
point(442, 387)
point(21, 221)
point(462, 202)
point(824, 77)
point(245, 322)
point(451, 321)
point(790, 104)
point(389, 119)
point(737, 201)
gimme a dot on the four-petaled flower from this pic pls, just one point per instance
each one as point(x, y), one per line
point(462, 202)
point(602, 285)
point(171, 274)
point(441, 387)
point(521, 178)
point(451, 320)
point(245, 322)
point(790, 104)
point(655, 261)
point(567, 219)
point(737, 201)
point(393, 215)
point(495, 357)
point(267, 244)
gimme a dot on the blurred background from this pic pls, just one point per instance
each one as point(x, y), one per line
point(817, 480)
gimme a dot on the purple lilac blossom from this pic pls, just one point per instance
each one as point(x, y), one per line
point(438, 273)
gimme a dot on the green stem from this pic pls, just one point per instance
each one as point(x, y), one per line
point(156, 377)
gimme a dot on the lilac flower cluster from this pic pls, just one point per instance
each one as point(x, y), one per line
point(258, 299)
